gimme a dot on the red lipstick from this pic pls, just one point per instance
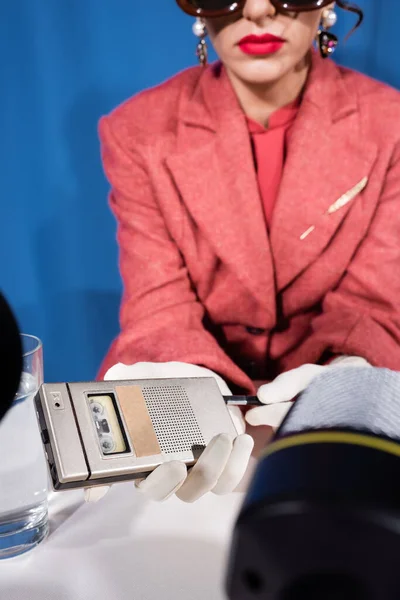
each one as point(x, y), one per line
point(261, 44)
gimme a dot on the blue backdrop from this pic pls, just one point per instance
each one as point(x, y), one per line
point(64, 64)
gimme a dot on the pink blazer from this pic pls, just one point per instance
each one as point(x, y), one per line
point(204, 282)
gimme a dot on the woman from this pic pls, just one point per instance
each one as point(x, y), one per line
point(258, 208)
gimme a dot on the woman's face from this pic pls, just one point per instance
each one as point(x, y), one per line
point(263, 63)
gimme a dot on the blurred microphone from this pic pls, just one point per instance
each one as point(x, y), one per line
point(321, 520)
point(10, 357)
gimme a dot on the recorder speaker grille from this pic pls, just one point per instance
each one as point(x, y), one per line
point(173, 419)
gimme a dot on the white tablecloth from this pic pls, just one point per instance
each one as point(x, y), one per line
point(126, 548)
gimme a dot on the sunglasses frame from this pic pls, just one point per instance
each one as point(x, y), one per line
point(233, 7)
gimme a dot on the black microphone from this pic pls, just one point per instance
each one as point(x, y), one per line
point(321, 520)
point(10, 357)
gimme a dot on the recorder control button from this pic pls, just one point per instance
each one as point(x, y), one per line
point(45, 436)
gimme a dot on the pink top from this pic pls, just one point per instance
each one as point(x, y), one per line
point(269, 149)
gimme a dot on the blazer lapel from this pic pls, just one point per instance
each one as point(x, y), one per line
point(327, 168)
point(214, 171)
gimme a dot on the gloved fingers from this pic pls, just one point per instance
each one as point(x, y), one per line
point(147, 370)
point(236, 466)
point(164, 481)
point(237, 418)
point(287, 385)
point(138, 482)
point(165, 370)
point(175, 369)
point(188, 370)
point(208, 469)
point(121, 372)
point(350, 361)
point(271, 415)
point(96, 493)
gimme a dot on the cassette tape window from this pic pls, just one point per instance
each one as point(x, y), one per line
point(107, 424)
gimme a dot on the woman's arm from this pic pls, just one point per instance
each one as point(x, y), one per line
point(362, 315)
point(161, 317)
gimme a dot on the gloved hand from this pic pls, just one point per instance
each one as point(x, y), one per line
point(221, 466)
point(278, 395)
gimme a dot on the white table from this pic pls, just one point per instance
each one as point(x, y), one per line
point(126, 548)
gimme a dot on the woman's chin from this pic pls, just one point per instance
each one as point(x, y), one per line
point(257, 70)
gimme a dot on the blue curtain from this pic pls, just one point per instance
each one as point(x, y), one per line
point(64, 64)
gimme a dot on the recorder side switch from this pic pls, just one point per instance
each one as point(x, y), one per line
point(45, 436)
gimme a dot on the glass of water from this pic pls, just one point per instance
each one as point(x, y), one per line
point(23, 469)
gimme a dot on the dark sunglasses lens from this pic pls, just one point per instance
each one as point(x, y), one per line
point(296, 5)
point(299, 5)
point(211, 4)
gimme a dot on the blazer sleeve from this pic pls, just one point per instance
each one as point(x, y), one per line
point(161, 318)
point(362, 316)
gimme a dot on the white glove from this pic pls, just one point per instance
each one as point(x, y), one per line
point(221, 466)
point(278, 395)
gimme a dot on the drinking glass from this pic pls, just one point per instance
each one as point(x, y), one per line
point(23, 469)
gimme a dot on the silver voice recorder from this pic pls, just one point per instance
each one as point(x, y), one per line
point(98, 433)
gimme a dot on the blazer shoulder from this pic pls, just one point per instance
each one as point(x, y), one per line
point(154, 110)
point(378, 101)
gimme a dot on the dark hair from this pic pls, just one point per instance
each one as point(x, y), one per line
point(354, 9)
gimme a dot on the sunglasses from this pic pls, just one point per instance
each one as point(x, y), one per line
point(221, 8)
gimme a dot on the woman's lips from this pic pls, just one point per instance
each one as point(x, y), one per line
point(261, 44)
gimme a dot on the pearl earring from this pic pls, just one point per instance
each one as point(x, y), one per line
point(327, 41)
point(329, 18)
point(200, 31)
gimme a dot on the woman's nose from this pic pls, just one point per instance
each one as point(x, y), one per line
point(258, 10)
